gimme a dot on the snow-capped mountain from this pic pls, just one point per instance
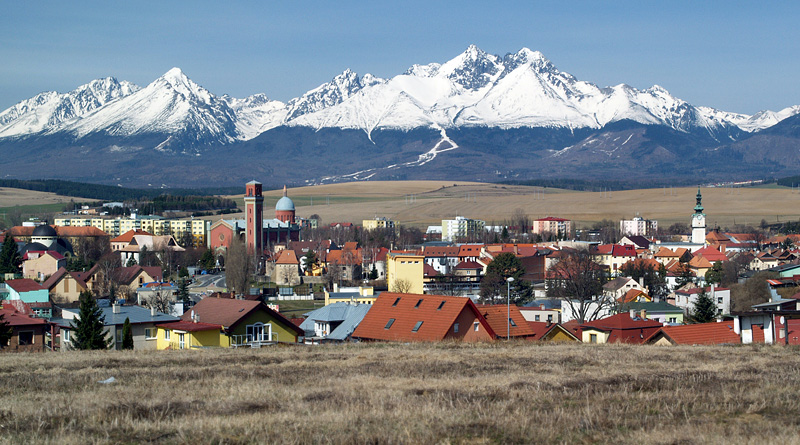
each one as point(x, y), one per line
point(47, 111)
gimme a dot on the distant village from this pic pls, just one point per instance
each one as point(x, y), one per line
point(92, 281)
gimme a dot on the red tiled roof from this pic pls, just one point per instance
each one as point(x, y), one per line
point(437, 251)
point(622, 328)
point(16, 318)
point(711, 254)
point(42, 253)
point(54, 279)
point(699, 334)
point(469, 250)
point(633, 295)
point(189, 326)
point(541, 329)
point(470, 265)
point(287, 257)
point(437, 312)
point(228, 312)
point(617, 250)
point(496, 314)
point(429, 271)
point(128, 236)
point(24, 285)
point(60, 231)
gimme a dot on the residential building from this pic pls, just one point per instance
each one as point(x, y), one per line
point(155, 225)
point(660, 311)
point(461, 228)
point(716, 333)
point(378, 223)
point(554, 332)
point(287, 268)
point(359, 295)
point(638, 226)
point(334, 322)
point(159, 244)
point(66, 287)
point(38, 265)
point(405, 272)
point(620, 328)
point(143, 323)
point(412, 317)
point(28, 334)
point(558, 227)
point(506, 321)
point(686, 298)
point(614, 256)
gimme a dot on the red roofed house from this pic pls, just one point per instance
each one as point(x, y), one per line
point(417, 317)
point(123, 240)
point(620, 328)
point(27, 333)
point(64, 286)
point(497, 314)
point(554, 332)
point(635, 296)
point(287, 268)
point(614, 255)
point(345, 262)
point(38, 265)
point(696, 334)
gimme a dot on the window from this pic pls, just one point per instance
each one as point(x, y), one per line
point(592, 338)
point(719, 300)
point(65, 335)
point(550, 318)
point(511, 322)
point(441, 305)
point(167, 334)
point(673, 319)
point(418, 303)
point(395, 302)
point(536, 318)
point(26, 338)
point(455, 327)
point(150, 333)
point(416, 326)
point(476, 326)
point(389, 323)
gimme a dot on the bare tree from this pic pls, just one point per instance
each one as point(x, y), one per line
point(578, 280)
point(238, 267)
point(161, 300)
point(401, 285)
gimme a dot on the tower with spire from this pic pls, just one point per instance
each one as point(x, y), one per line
point(254, 217)
point(698, 221)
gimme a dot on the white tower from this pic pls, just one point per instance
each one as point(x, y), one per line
point(699, 222)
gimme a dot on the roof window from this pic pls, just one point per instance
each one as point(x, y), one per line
point(441, 305)
point(418, 303)
point(417, 326)
point(389, 323)
point(395, 302)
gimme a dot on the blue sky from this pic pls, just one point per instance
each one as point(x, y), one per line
point(735, 56)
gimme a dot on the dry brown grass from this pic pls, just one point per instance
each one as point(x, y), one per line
point(437, 200)
point(443, 393)
point(10, 197)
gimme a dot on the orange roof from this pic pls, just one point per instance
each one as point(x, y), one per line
point(60, 231)
point(633, 295)
point(344, 256)
point(287, 257)
point(469, 250)
point(437, 251)
point(15, 318)
point(436, 312)
point(128, 236)
point(495, 315)
point(700, 262)
point(711, 254)
point(664, 252)
point(698, 334)
point(542, 328)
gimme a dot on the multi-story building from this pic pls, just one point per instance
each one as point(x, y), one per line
point(405, 272)
point(559, 227)
point(461, 228)
point(378, 223)
point(155, 225)
point(638, 226)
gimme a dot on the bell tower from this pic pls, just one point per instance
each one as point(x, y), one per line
point(699, 221)
point(254, 217)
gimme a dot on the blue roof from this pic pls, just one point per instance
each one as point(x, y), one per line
point(350, 315)
point(285, 203)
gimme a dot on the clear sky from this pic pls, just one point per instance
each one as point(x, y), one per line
point(735, 56)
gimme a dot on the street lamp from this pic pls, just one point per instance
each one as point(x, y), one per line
point(508, 308)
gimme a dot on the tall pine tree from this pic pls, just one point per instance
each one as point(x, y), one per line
point(5, 331)
point(9, 256)
point(88, 331)
point(705, 310)
point(127, 335)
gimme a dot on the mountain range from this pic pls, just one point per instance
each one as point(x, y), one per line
point(477, 116)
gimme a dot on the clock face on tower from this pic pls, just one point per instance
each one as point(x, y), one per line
point(698, 220)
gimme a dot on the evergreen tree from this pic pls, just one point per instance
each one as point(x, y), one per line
point(715, 274)
point(9, 256)
point(127, 335)
point(373, 274)
point(131, 262)
point(5, 331)
point(207, 260)
point(88, 331)
point(309, 261)
point(705, 310)
point(183, 291)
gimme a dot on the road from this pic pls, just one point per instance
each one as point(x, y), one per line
point(212, 283)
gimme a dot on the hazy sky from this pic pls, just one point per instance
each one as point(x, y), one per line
point(735, 56)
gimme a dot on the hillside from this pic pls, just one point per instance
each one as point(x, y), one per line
point(443, 393)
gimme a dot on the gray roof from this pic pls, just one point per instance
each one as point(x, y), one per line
point(350, 315)
point(548, 304)
point(136, 314)
point(652, 306)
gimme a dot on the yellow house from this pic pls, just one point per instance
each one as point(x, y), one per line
point(405, 272)
point(360, 295)
point(377, 223)
point(225, 322)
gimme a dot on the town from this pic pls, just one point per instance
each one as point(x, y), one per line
point(94, 281)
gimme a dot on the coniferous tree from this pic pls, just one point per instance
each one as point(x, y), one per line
point(127, 335)
point(131, 262)
point(183, 291)
point(705, 310)
point(88, 330)
point(9, 256)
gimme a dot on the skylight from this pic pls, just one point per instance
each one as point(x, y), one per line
point(417, 326)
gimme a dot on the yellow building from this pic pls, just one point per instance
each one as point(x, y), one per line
point(360, 294)
point(155, 225)
point(189, 335)
point(405, 272)
point(377, 223)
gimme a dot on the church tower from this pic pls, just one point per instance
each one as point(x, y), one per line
point(254, 217)
point(698, 221)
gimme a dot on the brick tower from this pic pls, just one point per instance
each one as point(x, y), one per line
point(254, 217)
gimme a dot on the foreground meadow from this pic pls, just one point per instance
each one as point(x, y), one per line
point(517, 392)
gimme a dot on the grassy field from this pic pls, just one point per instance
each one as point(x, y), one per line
point(29, 202)
point(437, 200)
point(442, 393)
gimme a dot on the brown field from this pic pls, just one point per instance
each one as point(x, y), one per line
point(436, 200)
point(441, 393)
point(10, 197)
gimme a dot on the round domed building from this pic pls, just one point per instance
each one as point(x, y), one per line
point(44, 238)
point(284, 209)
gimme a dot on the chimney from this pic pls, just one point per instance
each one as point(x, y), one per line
point(542, 306)
point(152, 311)
point(643, 314)
point(632, 313)
point(641, 282)
point(115, 308)
point(335, 287)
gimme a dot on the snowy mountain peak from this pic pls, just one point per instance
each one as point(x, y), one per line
point(473, 69)
point(339, 89)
